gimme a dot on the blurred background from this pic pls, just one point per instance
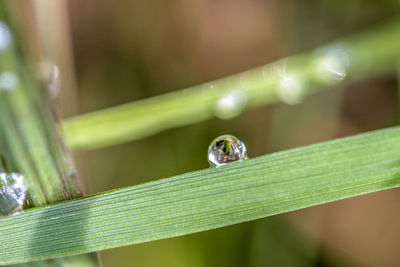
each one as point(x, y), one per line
point(115, 52)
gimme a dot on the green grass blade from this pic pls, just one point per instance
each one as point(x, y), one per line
point(288, 80)
point(29, 142)
point(206, 199)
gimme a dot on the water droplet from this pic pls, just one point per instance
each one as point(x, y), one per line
point(291, 89)
point(5, 36)
point(225, 149)
point(231, 104)
point(333, 65)
point(49, 75)
point(8, 80)
point(12, 193)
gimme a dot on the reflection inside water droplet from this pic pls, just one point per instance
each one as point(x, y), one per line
point(12, 193)
point(225, 149)
point(5, 36)
point(8, 81)
point(231, 104)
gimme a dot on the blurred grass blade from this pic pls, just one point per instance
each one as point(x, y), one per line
point(29, 141)
point(206, 199)
point(288, 80)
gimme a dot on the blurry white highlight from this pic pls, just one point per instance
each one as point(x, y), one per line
point(231, 104)
point(49, 74)
point(333, 65)
point(291, 89)
point(8, 80)
point(5, 36)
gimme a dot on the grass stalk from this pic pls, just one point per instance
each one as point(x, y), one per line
point(288, 80)
point(29, 141)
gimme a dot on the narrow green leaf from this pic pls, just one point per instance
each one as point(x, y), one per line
point(28, 138)
point(29, 142)
point(206, 199)
point(288, 80)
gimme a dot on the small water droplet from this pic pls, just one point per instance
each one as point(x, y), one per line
point(291, 89)
point(49, 75)
point(8, 81)
point(225, 149)
point(5, 36)
point(12, 193)
point(231, 104)
point(333, 65)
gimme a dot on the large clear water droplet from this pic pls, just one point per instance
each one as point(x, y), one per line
point(225, 149)
point(12, 193)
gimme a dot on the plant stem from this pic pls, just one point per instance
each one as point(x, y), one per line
point(28, 139)
point(31, 143)
point(288, 80)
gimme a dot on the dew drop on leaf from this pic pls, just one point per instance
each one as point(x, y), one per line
point(225, 149)
point(12, 193)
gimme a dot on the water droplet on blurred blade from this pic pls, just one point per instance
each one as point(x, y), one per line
point(291, 89)
point(231, 104)
point(5, 36)
point(333, 65)
point(49, 75)
point(8, 81)
point(12, 193)
point(225, 149)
